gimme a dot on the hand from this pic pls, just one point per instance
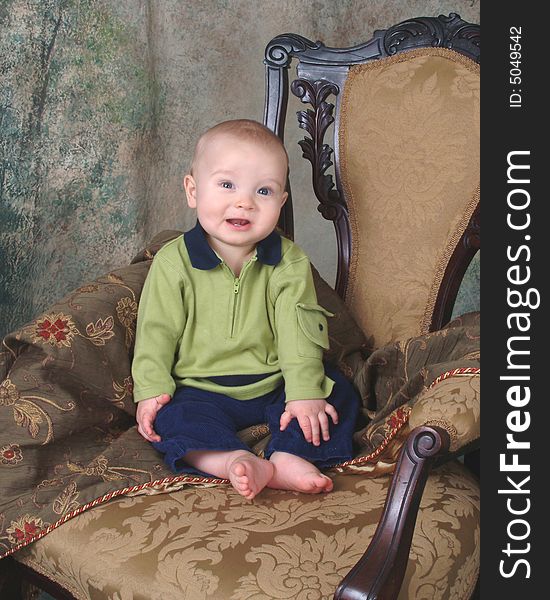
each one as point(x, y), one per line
point(312, 418)
point(146, 413)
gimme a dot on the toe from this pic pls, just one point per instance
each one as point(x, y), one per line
point(249, 494)
point(238, 469)
point(327, 484)
point(322, 484)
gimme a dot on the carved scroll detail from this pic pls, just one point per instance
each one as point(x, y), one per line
point(448, 32)
point(280, 50)
point(316, 123)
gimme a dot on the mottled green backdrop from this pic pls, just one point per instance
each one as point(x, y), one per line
point(100, 104)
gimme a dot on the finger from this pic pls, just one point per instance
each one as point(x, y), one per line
point(323, 422)
point(163, 399)
point(329, 409)
point(143, 434)
point(155, 437)
point(149, 431)
point(286, 417)
point(305, 426)
point(315, 437)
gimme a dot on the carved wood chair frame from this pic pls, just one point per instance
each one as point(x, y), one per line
point(321, 73)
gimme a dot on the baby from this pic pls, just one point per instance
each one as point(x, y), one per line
point(230, 333)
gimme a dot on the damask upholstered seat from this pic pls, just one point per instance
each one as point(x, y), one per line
point(89, 510)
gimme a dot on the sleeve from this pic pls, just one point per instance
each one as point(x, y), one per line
point(160, 324)
point(301, 333)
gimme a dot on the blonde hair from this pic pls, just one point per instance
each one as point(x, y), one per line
point(243, 129)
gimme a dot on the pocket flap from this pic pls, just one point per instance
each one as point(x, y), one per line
point(312, 319)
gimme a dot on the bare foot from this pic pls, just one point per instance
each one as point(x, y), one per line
point(297, 474)
point(249, 474)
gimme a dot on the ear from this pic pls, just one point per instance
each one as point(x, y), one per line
point(190, 190)
point(284, 199)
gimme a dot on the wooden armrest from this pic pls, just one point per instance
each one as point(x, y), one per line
point(380, 571)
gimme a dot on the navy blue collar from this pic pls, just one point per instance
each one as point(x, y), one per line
point(268, 251)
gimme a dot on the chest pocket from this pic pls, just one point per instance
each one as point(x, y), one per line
point(312, 329)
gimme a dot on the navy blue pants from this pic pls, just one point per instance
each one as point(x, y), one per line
point(200, 420)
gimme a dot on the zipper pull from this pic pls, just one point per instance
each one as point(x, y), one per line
point(236, 285)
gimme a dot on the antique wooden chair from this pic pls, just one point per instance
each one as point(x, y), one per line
point(404, 200)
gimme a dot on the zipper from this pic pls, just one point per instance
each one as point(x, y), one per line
point(237, 281)
point(236, 287)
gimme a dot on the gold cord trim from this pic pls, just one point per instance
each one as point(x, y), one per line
point(443, 262)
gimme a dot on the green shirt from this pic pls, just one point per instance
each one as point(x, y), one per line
point(197, 321)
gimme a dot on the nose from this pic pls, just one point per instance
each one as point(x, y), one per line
point(245, 201)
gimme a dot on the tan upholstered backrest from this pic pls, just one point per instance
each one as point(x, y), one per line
point(409, 167)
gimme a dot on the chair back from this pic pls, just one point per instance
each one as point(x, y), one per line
point(404, 190)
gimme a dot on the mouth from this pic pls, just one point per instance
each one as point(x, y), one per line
point(238, 223)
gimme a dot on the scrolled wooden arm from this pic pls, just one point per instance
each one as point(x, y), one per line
point(379, 573)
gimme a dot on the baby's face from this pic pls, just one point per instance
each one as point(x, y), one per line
point(238, 189)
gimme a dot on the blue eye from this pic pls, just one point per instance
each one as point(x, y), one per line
point(227, 185)
point(264, 191)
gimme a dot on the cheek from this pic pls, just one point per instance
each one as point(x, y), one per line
point(210, 212)
point(272, 213)
point(204, 211)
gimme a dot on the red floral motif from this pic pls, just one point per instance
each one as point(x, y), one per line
point(11, 454)
point(57, 330)
point(25, 528)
